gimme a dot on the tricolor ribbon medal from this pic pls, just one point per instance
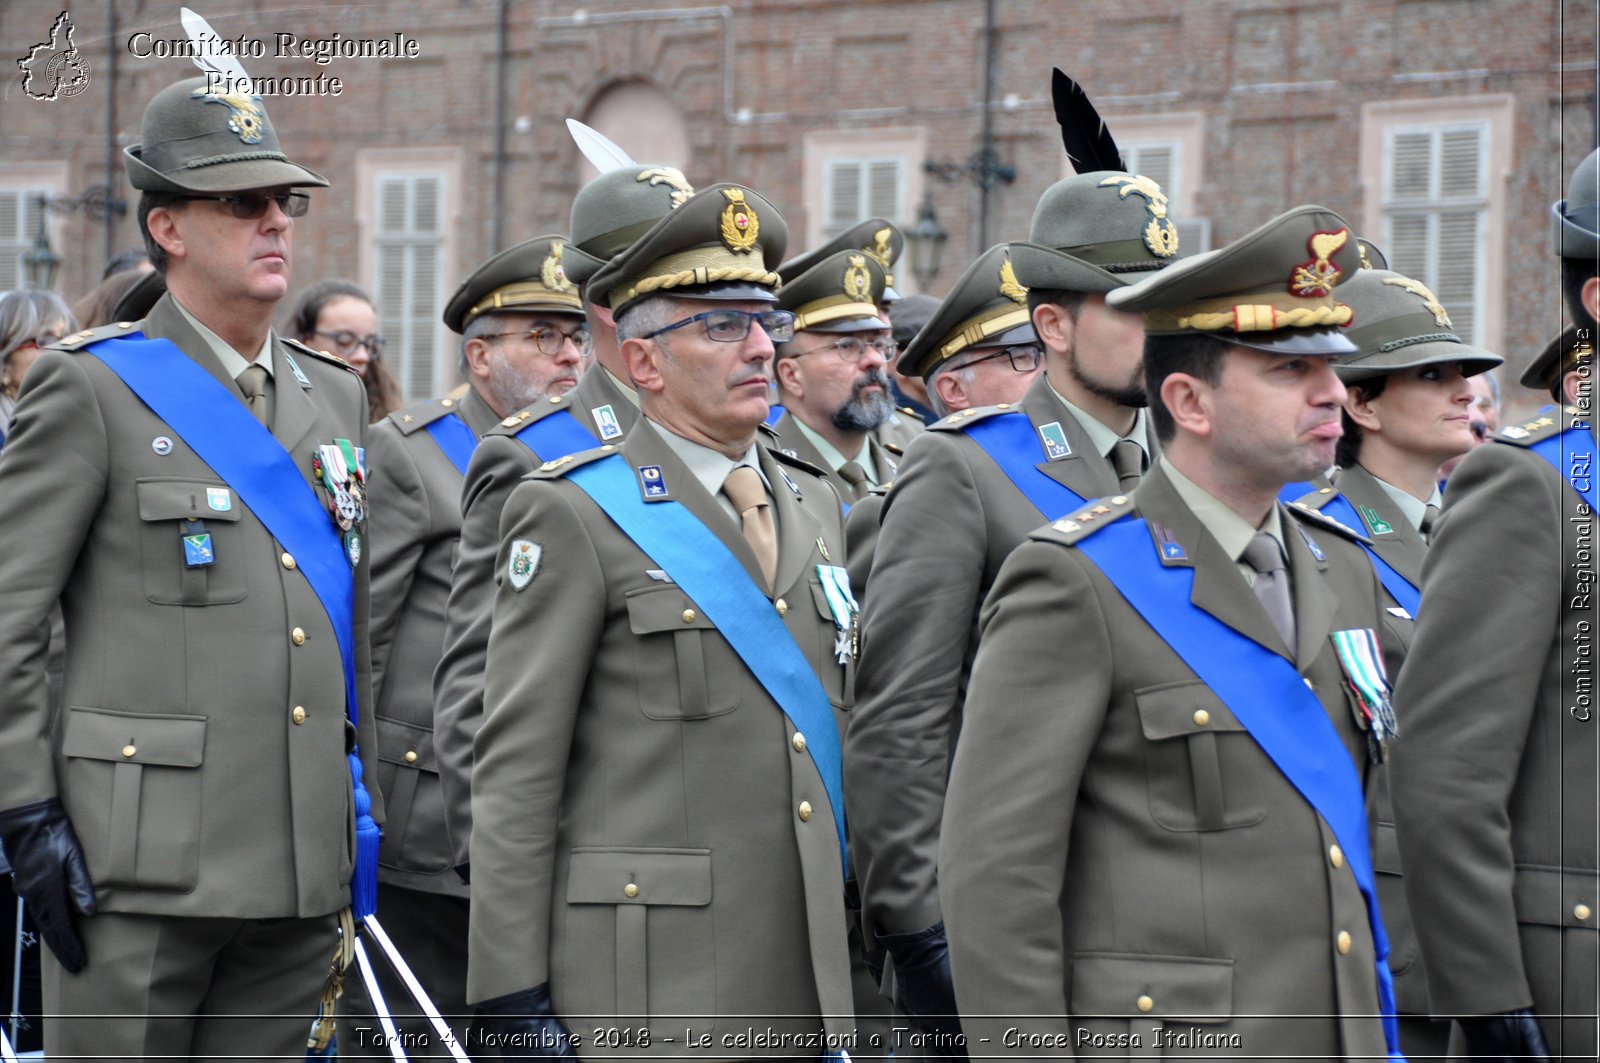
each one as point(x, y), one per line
point(341, 468)
point(1362, 660)
point(842, 607)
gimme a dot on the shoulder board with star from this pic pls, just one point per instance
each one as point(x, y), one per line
point(415, 418)
point(77, 341)
point(1315, 518)
point(516, 422)
point(1086, 521)
point(326, 356)
point(962, 419)
point(907, 411)
point(1323, 493)
point(1552, 421)
point(799, 463)
point(556, 468)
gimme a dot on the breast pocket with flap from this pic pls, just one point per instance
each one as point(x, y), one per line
point(167, 508)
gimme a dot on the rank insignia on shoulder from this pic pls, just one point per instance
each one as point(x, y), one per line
point(650, 479)
point(552, 466)
point(1065, 525)
point(523, 563)
point(1054, 439)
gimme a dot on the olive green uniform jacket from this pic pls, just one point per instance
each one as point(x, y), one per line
point(200, 753)
point(1118, 854)
point(500, 461)
point(1495, 773)
point(649, 834)
point(794, 442)
point(417, 501)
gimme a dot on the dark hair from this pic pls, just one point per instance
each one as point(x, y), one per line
point(1071, 302)
point(1196, 354)
point(149, 201)
point(1347, 451)
point(132, 258)
point(1575, 273)
point(98, 307)
point(308, 307)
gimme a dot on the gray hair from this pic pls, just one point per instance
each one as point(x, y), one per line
point(477, 328)
point(963, 373)
point(24, 313)
point(650, 314)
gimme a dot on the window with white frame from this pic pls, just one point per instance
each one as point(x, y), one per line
point(863, 188)
point(1169, 149)
point(852, 175)
point(408, 260)
point(1435, 214)
point(19, 225)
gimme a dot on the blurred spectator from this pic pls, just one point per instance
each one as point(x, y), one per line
point(99, 306)
point(29, 320)
point(1485, 415)
point(339, 316)
point(135, 259)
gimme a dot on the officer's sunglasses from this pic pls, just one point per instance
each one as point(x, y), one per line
point(348, 341)
point(1025, 357)
point(248, 206)
point(851, 348)
point(731, 326)
point(550, 340)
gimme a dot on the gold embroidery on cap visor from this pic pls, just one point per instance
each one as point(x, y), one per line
point(1010, 287)
point(1273, 312)
point(698, 266)
point(524, 294)
point(975, 330)
point(740, 226)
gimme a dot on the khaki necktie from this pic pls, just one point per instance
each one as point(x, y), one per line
point(856, 477)
point(1127, 459)
point(1272, 583)
point(749, 497)
point(1429, 515)
point(253, 382)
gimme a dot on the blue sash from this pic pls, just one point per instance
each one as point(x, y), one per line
point(1572, 453)
point(221, 430)
point(455, 439)
point(1267, 695)
point(708, 573)
point(556, 436)
point(774, 414)
point(1012, 444)
point(1402, 590)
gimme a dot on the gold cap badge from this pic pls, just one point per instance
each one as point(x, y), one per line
point(1315, 279)
point(740, 226)
point(551, 272)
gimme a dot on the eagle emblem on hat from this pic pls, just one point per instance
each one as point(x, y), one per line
point(880, 248)
point(246, 118)
point(1316, 278)
point(1441, 316)
point(673, 179)
point(1010, 287)
point(740, 225)
point(857, 281)
point(1160, 236)
point(552, 274)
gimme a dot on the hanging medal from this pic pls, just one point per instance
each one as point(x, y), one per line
point(1362, 661)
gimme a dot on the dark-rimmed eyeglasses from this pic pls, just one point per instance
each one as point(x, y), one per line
point(732, 326)
point(1025, 357)
point(248, 206)
point(550, 340)
point(851, 348)
point(348, 341)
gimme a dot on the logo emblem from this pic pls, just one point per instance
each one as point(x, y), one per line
point(673, 179)
point(1010, 287)
point(523, 563)
point(1375, 524)
point(880, 248)
point(220, 499)
point(650, 478)
point(55, 68)
point(857, 281)
point(740, 226)
point(162, 445)
point(1160, 236)
point(605, 421)
point(245, 118)
point(551, 273)
point(1441, 316)
point(1054, 440)
point(1316, 278)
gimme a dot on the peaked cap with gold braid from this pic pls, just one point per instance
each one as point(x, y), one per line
point(986, 307)
point(838, 293)
point(617, 208)
point(879, 238)
point(725, 242)
point(1272, 289)
point(530, 276)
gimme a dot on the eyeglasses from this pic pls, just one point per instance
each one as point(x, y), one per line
point(732, 326)
point(550, 340)
point(851, 348)
point(348, 341)
point(1025, 357)
point(248, 206)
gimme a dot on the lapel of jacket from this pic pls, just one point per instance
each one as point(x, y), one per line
point(798, 530)
point(1083, 471)
point(644, 446)
point(1403, 548)
point(883, 462)
point(476, 413)
point(1219, 587)
point(294, 413)
point(1315, 603)
point(791, 439)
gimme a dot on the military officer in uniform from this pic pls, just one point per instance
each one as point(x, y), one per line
point(523, 337)
point(1155, 835)
point(608, 214)
point(191, 488)
point(1494, 778)
point(657, 834)
point(831, 379)
point(1406, 413)
point(921, 605)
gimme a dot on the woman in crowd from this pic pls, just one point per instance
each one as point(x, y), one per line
point(29, 320)
point(339, 316)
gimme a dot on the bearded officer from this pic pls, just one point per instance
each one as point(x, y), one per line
point(970, 479)
point(1155, 835)
point(191, 488)
point(1495, 781)
point(657, 829)
point(523, 337)
point(608, 214)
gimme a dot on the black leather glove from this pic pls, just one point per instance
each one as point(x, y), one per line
point(524, 1025)
point(1511, 1035)
point(923, 988)
point(51, 875)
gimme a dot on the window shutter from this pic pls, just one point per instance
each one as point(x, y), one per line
point(1455, 281)
point(1411, 166)
point(844, 196)
point(19, 223)
point(883, 190)
point(1436, 216)
point(409, 244)
point(1155, 161)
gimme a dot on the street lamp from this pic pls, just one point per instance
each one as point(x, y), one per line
point(39, 263)
point(927, 239)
